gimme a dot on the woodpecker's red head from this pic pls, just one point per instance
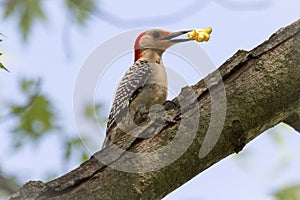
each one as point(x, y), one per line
point(156, 40)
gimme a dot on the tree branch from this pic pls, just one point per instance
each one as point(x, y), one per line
point(294, 120)
point(262, 89)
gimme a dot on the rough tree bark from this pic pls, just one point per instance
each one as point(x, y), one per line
point(262, 89)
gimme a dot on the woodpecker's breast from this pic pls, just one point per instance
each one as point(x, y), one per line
point(154, 90)
point(157, 84)
point(158, 75)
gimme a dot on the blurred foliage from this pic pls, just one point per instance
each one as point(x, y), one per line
point(8, 185)
point(35, 117)
point(1, 65)
point(81, 10)
point(95, 113)
point(29, 11)
point(26, 11)
point(288, 193)
point(284, 159)
point(35, 120)
point(74, 144)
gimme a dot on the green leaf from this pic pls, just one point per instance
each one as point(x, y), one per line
point(71, 145)
point(84, 156)
point(288, 193)
point(1, 65)
point(29, 86)
point(25, 24)
point(4, 68)
point(9, 8)
point(94, 113)
point(16, 110)
point(26, 11)
point(29, 11)
point(81, 10)
point(37, 119)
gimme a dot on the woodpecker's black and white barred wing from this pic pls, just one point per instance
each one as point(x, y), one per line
point(134, 79)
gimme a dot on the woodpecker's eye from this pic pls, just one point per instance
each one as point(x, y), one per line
point(156, 34)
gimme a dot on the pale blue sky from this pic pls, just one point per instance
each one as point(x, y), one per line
point(238, 24)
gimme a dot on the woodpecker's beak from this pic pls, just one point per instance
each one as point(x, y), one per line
point(172, 37)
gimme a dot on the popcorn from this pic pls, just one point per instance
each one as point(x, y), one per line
point(200, 35)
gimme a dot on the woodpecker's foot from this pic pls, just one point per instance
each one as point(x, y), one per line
point(170, 105)
point(157, 114)
point(141, 114)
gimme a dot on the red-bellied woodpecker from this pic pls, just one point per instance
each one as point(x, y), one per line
point(145, 82)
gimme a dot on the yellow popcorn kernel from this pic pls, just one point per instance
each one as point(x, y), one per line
point(200, 35)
